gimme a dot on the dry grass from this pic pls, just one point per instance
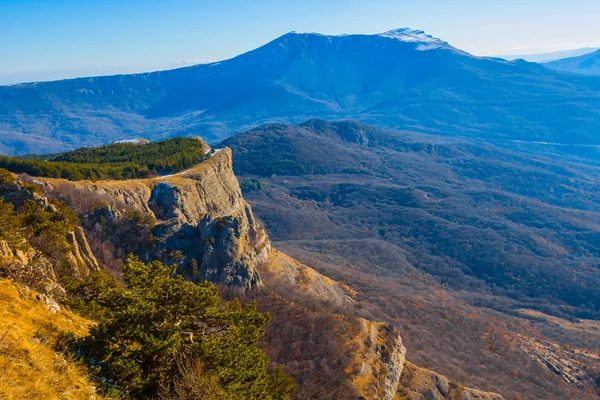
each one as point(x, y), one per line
point(29, 367)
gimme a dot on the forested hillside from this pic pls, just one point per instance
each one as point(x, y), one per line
point(115, 161)
point(469, 213)
point(443, 235)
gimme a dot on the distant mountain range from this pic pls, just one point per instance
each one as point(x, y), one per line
point(403, 79)
point(551, 56)
point(587, 64)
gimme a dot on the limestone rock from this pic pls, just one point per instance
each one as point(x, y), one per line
point(378, 360)
point(18, 194)
point(281, 268)
point(422, 384)
point(31, 268)
point(82, 259)
point(5, 252)
point(50, 304)
point(201, 217)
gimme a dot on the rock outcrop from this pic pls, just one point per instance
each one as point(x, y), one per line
point(422, 384)
point(32, 268)
point(203, 223)
point(576, 366)
point(285, 269)
point(28, 265)
point(378, 360)
point(82, 259)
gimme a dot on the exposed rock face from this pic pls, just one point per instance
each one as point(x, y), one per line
point(422, 384)
point(50, 304)
point(202, 219)
point(5, 251)
point(394, 360)
point(378, 360)
point(81, 257)
point(285, 269)
point(577, 367)
point(16, 194)
point(29, 267)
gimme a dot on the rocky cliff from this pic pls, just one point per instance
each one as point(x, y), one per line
point(422, 384)
point(204, 225)
point(28, 265)
point(30, 268)
point(378, 360)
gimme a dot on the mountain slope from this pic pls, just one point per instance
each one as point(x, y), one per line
point(398, 78)
point(203, 225)
point(434, 198)
point(587, 64)
point(30, 368)
point(440, 235)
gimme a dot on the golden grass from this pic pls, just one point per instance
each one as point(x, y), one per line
point(29, 367)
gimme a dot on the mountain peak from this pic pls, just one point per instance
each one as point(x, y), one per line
point(424, 41)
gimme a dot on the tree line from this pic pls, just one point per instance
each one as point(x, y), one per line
point(115, 161)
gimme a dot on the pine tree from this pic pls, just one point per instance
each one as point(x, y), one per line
point(147, 329)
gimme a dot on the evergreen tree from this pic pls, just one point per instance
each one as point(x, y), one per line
point(147, 329)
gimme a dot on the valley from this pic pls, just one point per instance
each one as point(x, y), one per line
point(406, 219)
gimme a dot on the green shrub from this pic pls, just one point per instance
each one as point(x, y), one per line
point(6, 177)
point(251, 185)
point(145, 331)
point(10, 226)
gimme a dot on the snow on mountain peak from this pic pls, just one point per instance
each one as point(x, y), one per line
point(420, 39)
point(423, 40)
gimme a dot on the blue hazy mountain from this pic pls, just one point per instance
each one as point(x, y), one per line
point(402, 78)
point(587, 64)
point(552, 56)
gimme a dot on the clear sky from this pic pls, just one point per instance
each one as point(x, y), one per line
point(50, 39)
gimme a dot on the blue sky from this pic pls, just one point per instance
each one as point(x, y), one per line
point(51, 39)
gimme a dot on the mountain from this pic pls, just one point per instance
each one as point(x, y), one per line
point(547, 57)
point(480, 250)
point(198, 221)
point(587, 64)
point(402, 78)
